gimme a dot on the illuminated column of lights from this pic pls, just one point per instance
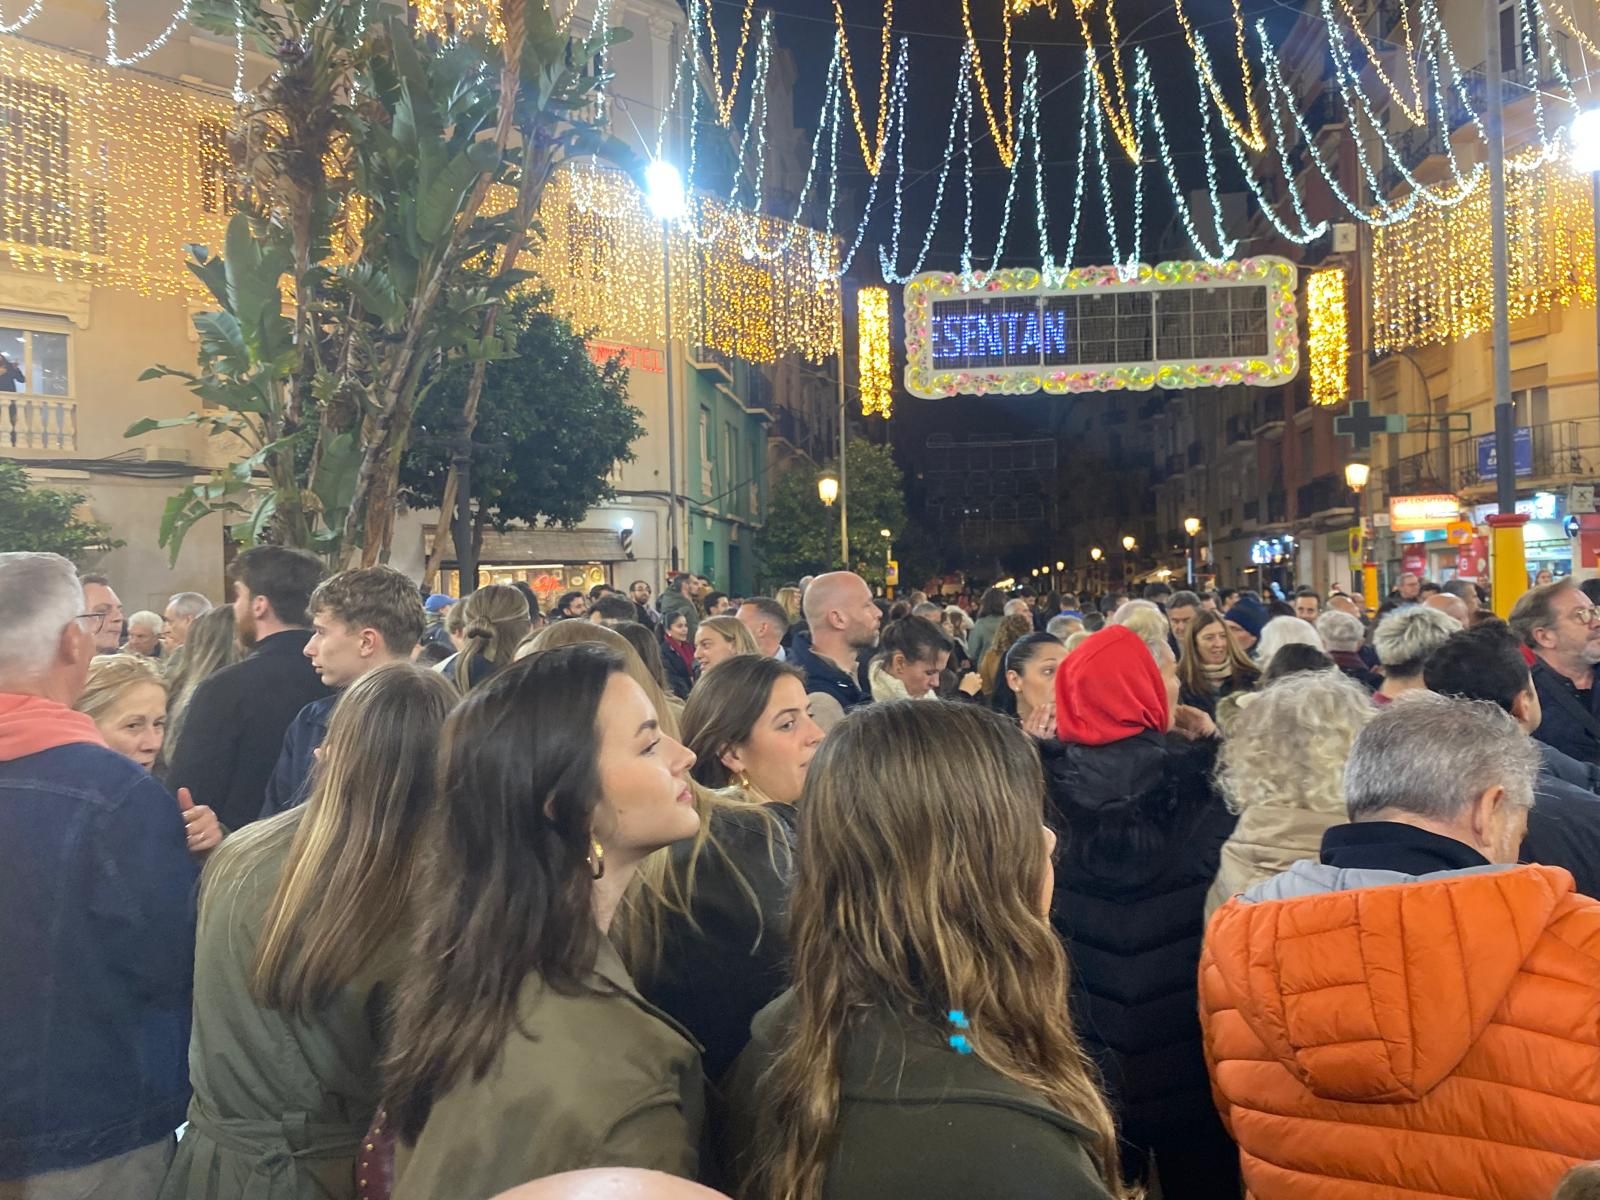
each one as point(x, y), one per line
point(874, 352)
point(1327, 337)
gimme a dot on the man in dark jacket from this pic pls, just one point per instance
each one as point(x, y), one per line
point(1561, 626)
point(679, 598)
point(236, 720)
point(360, 620)
point(1485, 663)
point(96, 919)
point(844, 622)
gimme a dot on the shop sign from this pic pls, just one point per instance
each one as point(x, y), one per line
point(1459, 533)
point(1521, 453)
point(1410, 513)
point(1415, 561)
point(1473, 560)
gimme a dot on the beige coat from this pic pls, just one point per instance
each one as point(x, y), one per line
point(602, 1079)
point(1267, 839)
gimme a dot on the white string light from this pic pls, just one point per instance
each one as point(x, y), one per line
point(28, 14)
point(115, 59)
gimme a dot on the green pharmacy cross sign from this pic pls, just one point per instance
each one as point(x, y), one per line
point(1359, 424)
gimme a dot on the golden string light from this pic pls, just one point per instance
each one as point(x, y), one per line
point(725, 100)
point(871, 154)
point(1005, 142)
point(1417, 111)
point(1249, 133)
point(601, 259)
point(455, 18)
point(1566, 19)
point(874, 351)
point(1327, 337)
point(106, 175)
point(1431, 273)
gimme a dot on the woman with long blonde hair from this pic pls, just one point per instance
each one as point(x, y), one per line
point(297, 950)
point(703, 931)
point(213, 643)
point(925, 1048)
point(720, 638)
point(1211, 666)
point(494, 619)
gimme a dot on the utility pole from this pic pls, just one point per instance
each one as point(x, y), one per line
point(844, 445)
point(1508, 570)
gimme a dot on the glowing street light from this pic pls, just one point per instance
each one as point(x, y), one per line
point(1191, 526)
point(1061, 566)
point(1095, 553)
point(1129, 542)
point(1356, 475)
point(828, 488)
point(663, 190)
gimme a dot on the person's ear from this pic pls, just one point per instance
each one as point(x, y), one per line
point(1544, 636)
point(75, 644)
point(1485, 814)
point(1014, 680)
point(1520, 705)
point(733, 760)
point(372, 643)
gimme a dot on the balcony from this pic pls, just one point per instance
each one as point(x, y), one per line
point(1269, 413)
point(1323, 496)
point(1562, 451)
point(38, 423)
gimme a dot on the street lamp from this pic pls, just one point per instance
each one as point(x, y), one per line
point(827, 488)
point(888, 562)
point(1129, 542)
point(664, 192)
point(1095, 553)
point(1356, 475)
point(1191, 526)
point(1061, 566)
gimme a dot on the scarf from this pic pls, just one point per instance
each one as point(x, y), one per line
point(1219, 673)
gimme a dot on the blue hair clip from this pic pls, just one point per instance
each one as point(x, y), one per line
point(958, 1041)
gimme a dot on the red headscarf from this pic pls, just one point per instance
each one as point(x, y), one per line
point(1109, 689)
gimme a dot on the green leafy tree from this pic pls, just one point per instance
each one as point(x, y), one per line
point(44, 520)
point(369, 157)
point(801, 535)
point(550, 427)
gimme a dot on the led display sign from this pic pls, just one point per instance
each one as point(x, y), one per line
point(1174, 325)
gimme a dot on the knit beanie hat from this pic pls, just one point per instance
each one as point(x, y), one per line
point(1248, 615)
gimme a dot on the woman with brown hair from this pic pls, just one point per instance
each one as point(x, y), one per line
point(520, 1046)
point(296, 952)
point(493, 620)
point(1211, 665)
point(704, 930)
point(213, 643)
point(1011, 630)
point(925, 1048)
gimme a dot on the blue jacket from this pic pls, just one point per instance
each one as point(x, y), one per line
point(96, 955)
point(823, 676)
point(291, 778)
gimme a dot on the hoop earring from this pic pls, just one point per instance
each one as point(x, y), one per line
point(597, 861)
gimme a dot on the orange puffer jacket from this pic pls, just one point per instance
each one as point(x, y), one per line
point(1432, 1038)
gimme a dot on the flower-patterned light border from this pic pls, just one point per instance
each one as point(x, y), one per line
point(1281, 364)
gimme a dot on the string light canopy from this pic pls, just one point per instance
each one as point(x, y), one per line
point(874, 352)
point(1431, 273)
point(451, 19)
point(1327, 337)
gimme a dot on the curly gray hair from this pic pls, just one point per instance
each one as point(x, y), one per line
point(1319, 714)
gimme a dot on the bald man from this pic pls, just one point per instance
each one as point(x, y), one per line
point(1339, 602)
point(1453, 607)
point(844, 622)
point(611, 1183)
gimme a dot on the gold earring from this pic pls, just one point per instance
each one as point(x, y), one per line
point(744, 780)
point(597, 861)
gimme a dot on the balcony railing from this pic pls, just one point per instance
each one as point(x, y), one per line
point(38, 423)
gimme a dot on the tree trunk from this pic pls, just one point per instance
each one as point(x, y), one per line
point(371, 508)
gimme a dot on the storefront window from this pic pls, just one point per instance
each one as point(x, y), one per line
point(548, 580)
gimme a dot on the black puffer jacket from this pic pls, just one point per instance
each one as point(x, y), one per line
point(715, 974)
point(1141, 833)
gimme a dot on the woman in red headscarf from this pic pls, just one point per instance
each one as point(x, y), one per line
point(1140, 832)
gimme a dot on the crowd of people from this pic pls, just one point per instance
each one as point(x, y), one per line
point(344, 891)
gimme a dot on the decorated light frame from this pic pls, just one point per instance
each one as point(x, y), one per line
point(1278, 365)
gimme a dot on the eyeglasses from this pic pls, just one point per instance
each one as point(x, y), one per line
point(97, 621)
point(1586, 616)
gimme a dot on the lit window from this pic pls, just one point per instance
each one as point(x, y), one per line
point(34, 361)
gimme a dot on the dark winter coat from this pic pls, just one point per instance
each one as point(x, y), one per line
point(715, 973)
point(918, 1120)
point(1141, 834)
point(680, 677)
point(1564, 726)
point(234, 726)
point(291, 778)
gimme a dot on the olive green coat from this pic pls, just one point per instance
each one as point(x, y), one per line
point(280, 1105)
point(600, 1079)
point(917, 1119)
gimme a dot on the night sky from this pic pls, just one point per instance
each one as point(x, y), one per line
point(935, 31)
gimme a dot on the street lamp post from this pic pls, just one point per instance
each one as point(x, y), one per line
point(1356, 475)
point(665, 194)
point(1191, 526)
point(888, 561)
point(1585, 135)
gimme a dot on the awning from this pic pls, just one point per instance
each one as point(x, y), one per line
point(539, 546)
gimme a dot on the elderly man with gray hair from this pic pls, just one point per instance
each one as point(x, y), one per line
point(1413, 990)
point(1342, 636)
point(96, 918)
